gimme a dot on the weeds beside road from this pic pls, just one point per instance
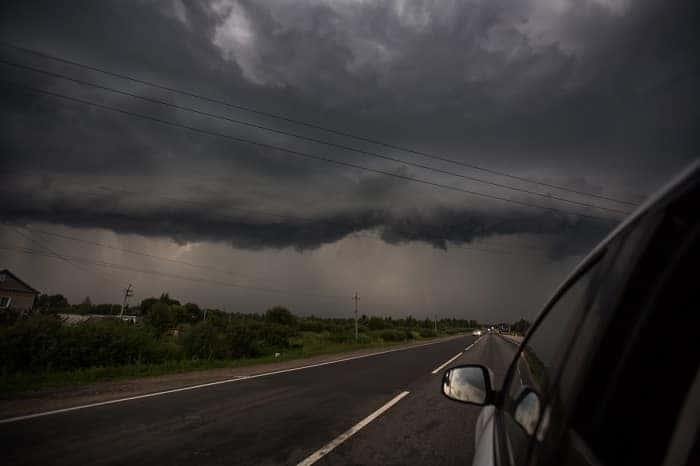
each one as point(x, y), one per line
point(44, 352)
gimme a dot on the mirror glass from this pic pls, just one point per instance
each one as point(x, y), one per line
point(466, 383)
point(527, 411)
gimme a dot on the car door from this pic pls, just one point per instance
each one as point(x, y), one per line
point(625, 389)
point(523, 414)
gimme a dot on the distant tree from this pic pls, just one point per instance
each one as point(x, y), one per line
point(165, 298)
point(280, 315)
point(146, 304)
point(86, 306)
point(160, 317)
point(52, 303)
point(216, 317)
point(520, 327)
point(192, 313)
point(377, 323)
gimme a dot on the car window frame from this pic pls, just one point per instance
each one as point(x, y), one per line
point(589, 263)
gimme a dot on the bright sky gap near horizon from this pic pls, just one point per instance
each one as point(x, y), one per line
point(449, 159)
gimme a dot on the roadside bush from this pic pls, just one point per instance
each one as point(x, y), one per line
point(276, 336)
point(42, 342)
point(377, 323)
point(427, 333)
point(392, 335)
point(29, 344)
point(160, 317)
point(205, 341)
point(243, 341)
point(105, 342)
point(341, 337)
point(280, 315)
point(311, 324)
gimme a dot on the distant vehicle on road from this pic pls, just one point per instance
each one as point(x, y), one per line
point(593, 383)
point(476, 333)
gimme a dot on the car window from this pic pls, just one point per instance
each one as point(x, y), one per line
point(537, 365)
point(645, 377)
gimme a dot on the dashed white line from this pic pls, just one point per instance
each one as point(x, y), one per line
point(439, 368)
point(442, 366)
point(327, 448)
point(209, 384)
point(475, 342)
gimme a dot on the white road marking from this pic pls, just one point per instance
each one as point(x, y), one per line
point(209, 384)
point(327, 448)
point(439, 368)
point(475, 342)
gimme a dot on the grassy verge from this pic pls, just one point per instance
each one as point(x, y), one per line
point(308, 345)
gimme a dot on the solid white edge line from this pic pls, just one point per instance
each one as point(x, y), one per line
point(209, 384)
point(439, 368)
point(327, 448)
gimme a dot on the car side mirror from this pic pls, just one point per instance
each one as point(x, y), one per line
point(470, 383)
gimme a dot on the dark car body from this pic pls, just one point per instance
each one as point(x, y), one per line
point(608, 373)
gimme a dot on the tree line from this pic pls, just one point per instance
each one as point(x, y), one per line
point(168, 330)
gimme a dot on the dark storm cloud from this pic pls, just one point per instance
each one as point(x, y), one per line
point(579, 89)
point(250, 229)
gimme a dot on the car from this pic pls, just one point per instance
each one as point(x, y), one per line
point(595, 381)
point(476, 333)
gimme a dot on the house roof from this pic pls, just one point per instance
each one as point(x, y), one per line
point(23, 285)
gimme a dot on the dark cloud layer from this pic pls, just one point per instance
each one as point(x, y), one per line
point(596, 95)
point(600, 93)
point(243, 228)
point(605, 85)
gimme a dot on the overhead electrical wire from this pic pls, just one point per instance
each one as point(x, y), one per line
point(281, 117)
point(111, 265)
point(135, 252)
point(51, 251)
point(548, 196)
point(295, 153)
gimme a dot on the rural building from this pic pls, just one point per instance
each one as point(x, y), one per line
point(15, 294)
point(72, 319)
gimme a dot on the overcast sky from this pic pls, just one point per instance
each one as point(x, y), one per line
point(595, 96)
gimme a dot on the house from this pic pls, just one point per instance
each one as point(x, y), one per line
point(15, 294)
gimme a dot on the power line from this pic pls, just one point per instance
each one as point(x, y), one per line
point(51, 251)
point(132, 251)
point(115, 266)
point(308, 139)
point(315, 126)
point(43, 246)
point(293, 152)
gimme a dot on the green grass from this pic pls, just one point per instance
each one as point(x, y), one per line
point(307, 345)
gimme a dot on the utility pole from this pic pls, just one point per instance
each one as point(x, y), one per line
point(128, 293)
point(356, 298)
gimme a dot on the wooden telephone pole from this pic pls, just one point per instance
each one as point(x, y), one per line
point(128, 293)
point(356, 298)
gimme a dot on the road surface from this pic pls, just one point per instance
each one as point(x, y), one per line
point(382, 409)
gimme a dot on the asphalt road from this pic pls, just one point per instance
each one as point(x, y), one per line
point(277, 419)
